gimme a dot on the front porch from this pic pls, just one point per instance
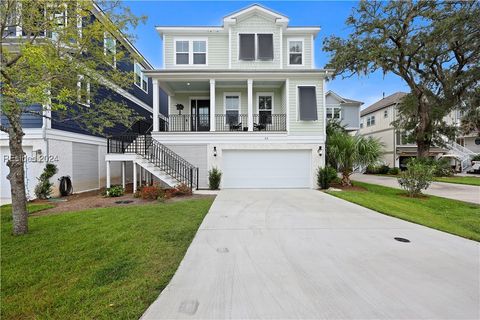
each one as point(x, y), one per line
point(236, 106)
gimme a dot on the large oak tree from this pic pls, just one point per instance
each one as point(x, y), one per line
point(433, 46)
point(63, 57)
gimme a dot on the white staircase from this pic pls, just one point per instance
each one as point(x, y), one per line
point(463, 154)
point(156, 158)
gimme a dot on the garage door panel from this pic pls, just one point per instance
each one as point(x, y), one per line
point(266, 168)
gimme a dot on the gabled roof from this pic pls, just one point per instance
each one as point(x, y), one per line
point(230, 19)
point(255, 8)
point(342, 99)
point(385, 102)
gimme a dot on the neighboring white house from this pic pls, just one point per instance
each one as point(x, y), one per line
point(346, 111)
point(376, 121)
point(244, 97)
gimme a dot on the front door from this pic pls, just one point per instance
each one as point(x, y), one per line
point(200, 115)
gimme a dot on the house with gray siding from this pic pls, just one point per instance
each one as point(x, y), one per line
point(244, 97)
point(345, 111)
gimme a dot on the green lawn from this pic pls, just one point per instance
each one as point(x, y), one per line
point(456, 217)
point(469, 180)
point(108, 263)
point(473, 181)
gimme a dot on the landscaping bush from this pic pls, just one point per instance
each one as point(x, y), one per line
point(325, 176)
point(183, 190)
point(371, 169)
point(214, 178)
point(476, 157)
point(115, 191)
point(441, 167)
point(150, 192)
point(394, 171)
point(44, 187)
point(417, 177)
point(383, 169)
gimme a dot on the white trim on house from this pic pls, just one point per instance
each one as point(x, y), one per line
point(238, 94)
point(297, 101)
point(229, 48)
point(264, 94)
point(302, 40)
point(256, 47)
point(142, 76)
point(81, 79)
point(312, 50)
point(281, 47)
point(287, 102)
point(107, 35)
point(190, 52)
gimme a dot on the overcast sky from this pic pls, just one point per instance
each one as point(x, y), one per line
point(329, 15)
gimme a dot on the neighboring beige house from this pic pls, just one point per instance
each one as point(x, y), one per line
point(345, 110)
point(244, 97)
point(376, 121)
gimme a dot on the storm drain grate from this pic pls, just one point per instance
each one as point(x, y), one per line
point(401, 239)
point(223, 250)
point(123, 201)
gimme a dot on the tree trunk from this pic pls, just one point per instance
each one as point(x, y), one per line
point(17, 177)
point(346, 182)
point(423, 128)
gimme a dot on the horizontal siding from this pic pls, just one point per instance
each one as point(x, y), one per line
point(196, 155)
point(307, 52)
point(27, 120)
point(306, 127)
point(256, 24)
point(217, 52)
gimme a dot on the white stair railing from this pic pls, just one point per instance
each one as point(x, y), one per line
point(463, 154)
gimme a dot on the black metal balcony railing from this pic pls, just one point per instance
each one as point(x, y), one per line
point(224, 122)
point(157, 154)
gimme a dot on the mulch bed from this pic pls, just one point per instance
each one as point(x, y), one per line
point(337, 185)
point(95, 199)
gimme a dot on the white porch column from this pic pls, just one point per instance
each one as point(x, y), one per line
point(156, 106)
point(108, 174)
point(123, 174)
point(212, 104)
point(134, 177)
point(250, 104)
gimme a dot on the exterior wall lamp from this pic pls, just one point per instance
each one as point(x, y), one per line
point(319, 151)
point(214, 151)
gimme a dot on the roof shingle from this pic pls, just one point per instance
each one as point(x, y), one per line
point(383, 103)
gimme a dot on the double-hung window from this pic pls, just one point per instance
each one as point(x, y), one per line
point(370, 121)
point(255, 46)
point(191, 52)
point(141, 80)
point(83, 91)
point(109, 49)
point(265, 107)
point(232, 108)
point(295, 52)
point(334, 112)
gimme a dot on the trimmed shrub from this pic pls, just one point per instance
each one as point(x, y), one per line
point(325, 176)
point(214, 178)
point(43, 189)
point(183, 190)
point(383, 169)
point(417, 177)
point(150, 192)
point(394, 171)
point(115, 191)
point(476, 157)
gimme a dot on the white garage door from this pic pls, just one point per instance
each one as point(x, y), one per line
point(85, 167)
point(266, 168)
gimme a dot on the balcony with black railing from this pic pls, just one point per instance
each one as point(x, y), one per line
point(230, 122)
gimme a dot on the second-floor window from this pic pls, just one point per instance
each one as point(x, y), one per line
point(141, 80)
point(370, 121)
point(109, 49)
point(191, 52)
point(295, 52)
point(334, 113)
point(255, 46)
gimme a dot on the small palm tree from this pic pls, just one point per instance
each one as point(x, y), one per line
point(350, 151)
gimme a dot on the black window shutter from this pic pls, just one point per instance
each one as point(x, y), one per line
point(247, 46)
point(308, 103)
point(265, 46)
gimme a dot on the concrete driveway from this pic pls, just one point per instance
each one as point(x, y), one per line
point(302, 254)
point(454, 191)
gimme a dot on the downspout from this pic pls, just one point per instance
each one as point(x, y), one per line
point(395, 138)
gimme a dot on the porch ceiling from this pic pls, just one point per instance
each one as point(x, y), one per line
point(204, 86)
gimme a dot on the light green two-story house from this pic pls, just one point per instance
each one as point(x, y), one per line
point(244, 97)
